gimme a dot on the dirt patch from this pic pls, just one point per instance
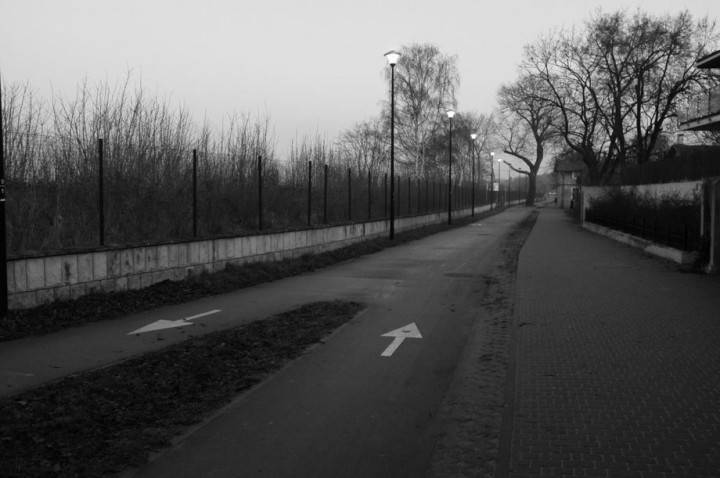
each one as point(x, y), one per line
point(478, 399)
point(104, 421)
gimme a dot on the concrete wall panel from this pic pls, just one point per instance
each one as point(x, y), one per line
point(35, 273)
point(36, 280)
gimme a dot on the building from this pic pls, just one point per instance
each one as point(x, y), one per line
point(568, 174)
point(702, 112)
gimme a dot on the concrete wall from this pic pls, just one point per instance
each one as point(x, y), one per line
point(688, 190)
point(39, 280)
point(711, 223)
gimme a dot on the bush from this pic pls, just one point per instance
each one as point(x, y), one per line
point(666, 208)
point(670, 219)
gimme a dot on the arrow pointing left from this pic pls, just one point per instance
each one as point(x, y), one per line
point(170, 324)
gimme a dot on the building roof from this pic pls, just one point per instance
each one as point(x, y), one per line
point(570, 165)
point(711, 60)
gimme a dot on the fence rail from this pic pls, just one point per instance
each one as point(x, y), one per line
point(701, 105)
point(679, 235)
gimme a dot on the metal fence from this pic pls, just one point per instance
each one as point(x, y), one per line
point(103, 198)
point(678, 234)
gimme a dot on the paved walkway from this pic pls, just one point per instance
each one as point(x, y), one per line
point(616, 367)
point(614, 364)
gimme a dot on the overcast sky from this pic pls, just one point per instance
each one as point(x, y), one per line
point(315, 66)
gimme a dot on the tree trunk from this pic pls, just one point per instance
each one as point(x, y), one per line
point(532, 188)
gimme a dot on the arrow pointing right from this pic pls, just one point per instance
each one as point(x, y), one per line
point(409, 331)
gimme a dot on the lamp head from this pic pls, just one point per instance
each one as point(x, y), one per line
point(473, 136)
point(450, 114)
point(392, 57)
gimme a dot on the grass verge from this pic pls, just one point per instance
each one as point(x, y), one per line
point(103, 421)
point(112, 305)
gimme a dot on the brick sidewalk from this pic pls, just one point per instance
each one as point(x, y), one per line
point(617, 361)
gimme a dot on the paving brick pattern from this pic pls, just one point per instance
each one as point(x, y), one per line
point(618, 357)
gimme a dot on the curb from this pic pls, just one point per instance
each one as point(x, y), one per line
point(680, 257)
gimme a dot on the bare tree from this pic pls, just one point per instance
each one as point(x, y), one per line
point(616, 82)
point(364, 146)
point(425, 83)
point(647, 63)
point(464, 125)
point(531, 127)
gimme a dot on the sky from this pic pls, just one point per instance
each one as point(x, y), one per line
point(315, 67)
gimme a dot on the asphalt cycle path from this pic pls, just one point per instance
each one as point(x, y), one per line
point(364, 403)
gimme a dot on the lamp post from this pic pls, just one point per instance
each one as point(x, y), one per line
point(492, 177)
point(472, 192)
point(392, 58)
point(450, 115)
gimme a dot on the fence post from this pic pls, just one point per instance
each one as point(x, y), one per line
point(349, 194)
point(101, 194)
point(655, 231)
point(427, 196)
point(369, 193)
point(260, 192)
point(409, 196)
point(194, 194)
point(325, 191)
point(309, 203)
point(642, 226)
point(433, 196)
point(417, 208)
point(397, 195)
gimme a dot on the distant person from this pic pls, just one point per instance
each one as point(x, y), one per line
point(556, 200)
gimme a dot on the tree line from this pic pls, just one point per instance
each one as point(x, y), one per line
point(606, 93)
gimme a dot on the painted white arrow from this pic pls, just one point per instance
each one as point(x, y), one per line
point(410, 331)
point(169, 324)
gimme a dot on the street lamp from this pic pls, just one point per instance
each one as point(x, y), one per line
point(473, 136)
point(492, 177)
point(392, 58)
point(450, 115)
